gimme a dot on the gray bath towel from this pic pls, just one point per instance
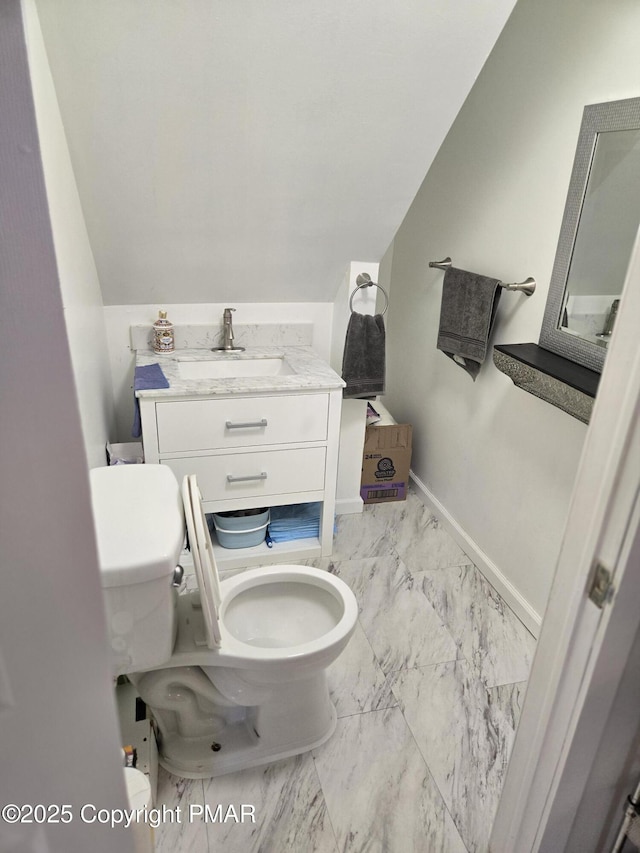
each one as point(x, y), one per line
point(363, 361)
point(469, 304)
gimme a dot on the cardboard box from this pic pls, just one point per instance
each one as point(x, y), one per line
point(385, 463)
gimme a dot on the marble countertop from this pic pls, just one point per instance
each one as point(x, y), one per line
point(310, 372)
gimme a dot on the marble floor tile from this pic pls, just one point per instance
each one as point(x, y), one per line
point(356, 682)
point(509, 698)
point(366, 534)
point(421, 540)
point(290, 811)
point(400, 624)
point(486, 630)
point(379, 793)
point(406, 527)
point(186, 836)
point(465, 740)
point(324, 563)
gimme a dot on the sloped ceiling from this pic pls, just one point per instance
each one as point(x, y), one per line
point(248, 150)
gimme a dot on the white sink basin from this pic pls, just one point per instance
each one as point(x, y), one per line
point(234, 368)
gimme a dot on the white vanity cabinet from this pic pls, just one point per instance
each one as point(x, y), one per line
point(252, 450)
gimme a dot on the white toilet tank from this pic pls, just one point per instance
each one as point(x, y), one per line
point(139, 521)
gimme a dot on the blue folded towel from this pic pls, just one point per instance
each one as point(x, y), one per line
point(296, 521)
point(145, 378)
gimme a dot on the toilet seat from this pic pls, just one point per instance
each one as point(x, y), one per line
point(203, 560)
point(259, 588)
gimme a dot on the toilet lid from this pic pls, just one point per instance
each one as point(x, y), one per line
point(203, 559)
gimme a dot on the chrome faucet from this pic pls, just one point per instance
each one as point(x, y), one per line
point(611, 319)
point(228, 334)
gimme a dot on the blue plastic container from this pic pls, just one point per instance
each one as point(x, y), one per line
point(239, 530)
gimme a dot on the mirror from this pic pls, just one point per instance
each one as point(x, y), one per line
point(599, 226)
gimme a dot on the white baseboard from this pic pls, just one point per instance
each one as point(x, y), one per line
point(516, 601)
point(344, 506)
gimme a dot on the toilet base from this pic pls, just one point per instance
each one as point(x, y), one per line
point(205, 739)
point(190, 760)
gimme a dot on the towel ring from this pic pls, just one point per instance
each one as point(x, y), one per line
point(364, 280)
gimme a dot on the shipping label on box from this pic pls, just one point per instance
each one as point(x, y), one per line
point(385, 463)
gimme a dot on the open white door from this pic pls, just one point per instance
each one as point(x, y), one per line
point(59, 741)
point(583, 648)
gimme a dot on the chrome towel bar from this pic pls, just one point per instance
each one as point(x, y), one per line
point(528, 286)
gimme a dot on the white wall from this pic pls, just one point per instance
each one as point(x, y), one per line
point(248, 150)
point(59, 741)
point(498, 460)
point(81, 296)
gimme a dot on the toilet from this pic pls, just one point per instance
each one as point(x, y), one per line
point(234, 673)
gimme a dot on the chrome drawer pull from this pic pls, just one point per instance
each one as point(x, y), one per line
point(260, 423)
point(232, 479)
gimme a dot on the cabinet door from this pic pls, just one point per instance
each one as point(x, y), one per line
point(244, 475)
point(241, 422)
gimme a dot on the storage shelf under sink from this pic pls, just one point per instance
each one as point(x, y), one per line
point(262, 555)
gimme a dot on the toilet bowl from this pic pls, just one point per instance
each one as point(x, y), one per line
point(233, 672)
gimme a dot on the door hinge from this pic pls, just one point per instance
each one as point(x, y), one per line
point(601, 589)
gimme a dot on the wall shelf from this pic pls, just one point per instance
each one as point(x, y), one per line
point(552, 378)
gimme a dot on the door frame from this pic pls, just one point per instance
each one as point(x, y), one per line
point(565, 708)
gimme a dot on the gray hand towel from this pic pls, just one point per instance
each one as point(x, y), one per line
point(467, 311)
point(363, 361)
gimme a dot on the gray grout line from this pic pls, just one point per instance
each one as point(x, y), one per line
point(326, 804)
point(426, 665)
point(426, 764)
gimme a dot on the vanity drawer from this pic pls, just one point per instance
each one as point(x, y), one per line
point(243, 475)
point(241, 422)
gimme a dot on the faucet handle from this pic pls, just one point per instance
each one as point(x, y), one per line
point(227, 313)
